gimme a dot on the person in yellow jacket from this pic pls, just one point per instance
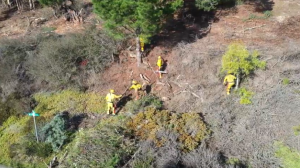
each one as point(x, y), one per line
point(229, 80)
point(159, 63)
point(110, 97)
point(137, 87)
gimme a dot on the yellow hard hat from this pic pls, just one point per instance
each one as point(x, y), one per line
point(134, 82)
point(112, 91)
point(159, 57)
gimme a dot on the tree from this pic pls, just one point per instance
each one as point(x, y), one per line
point(208, 5)
point(142, 18)
point(55, 131)
point(240, 61)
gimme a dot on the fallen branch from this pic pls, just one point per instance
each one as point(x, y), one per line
point(255, 27)
point(186, 91)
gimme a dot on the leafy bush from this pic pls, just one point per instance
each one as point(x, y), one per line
point(208, 5)
point(296, 130)
point(290, 158)
point(69, 100)
point(267, 14)
point(189, 126)
point(105, 145)
point(41, 149)
point(55, 131)
point(146, 101)
point(285, 81)
point(11, 133)
point(239, 61)
point(246, 96)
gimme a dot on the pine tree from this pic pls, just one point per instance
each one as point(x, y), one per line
point(55, 131)
point(239, 61)
point(138, 18)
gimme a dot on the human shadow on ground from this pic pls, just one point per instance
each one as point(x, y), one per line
point(122, 102)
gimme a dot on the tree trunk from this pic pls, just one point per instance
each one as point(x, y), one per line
point(31, 4)
point(237, 81)
point(138, 51)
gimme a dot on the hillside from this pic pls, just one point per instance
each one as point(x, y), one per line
point(185, 120)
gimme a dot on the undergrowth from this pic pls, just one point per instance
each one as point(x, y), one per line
point(290, 158)
point(189, 126)
point(145, 101)
point(246, 96)
point(69, 100)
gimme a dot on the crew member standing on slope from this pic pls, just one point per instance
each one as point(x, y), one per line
point(229, 80)
point(110, 98)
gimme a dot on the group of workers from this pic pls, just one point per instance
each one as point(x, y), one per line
point(111, 97)
point(229, 80)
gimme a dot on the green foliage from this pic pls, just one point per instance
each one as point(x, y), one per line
point(50, 2)
point(239, 60)
point(267, 14)
point(69, 100)
point(189, 126)
point(11, 132)
point(41, 149)
point(290, 158)
point(55, 131)
point(296, 130)
point(246, 96)
point(103, 146)
point(48, 29)
point(13, 105)
point(209, 5)
point(285, 81)
point(127, 17)
point(143, 162)
point(146, 101)
point(239, 2)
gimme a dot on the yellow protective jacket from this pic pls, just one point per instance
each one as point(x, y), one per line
point(136, 86)
point(229, 79)
point(159, 62)
point(110, 97)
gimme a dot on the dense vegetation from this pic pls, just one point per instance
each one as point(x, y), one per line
point(52, 73)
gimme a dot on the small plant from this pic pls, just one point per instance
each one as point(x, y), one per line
point(290, 158)
point(285, 81)
point(246, 96)
point(48, 29)
point(239, 2)
point(296, 130)
point(267, 14)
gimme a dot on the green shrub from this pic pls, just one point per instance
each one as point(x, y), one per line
point(296, 130)
point(267, 14)
point(69, 100)
point(290, 158)
point(146, 101)
point(40, 149)
point(208, 5)
point(285, 81)
point(246, 96)
point(55, 131)
point(105, 145)
point(189, 126)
